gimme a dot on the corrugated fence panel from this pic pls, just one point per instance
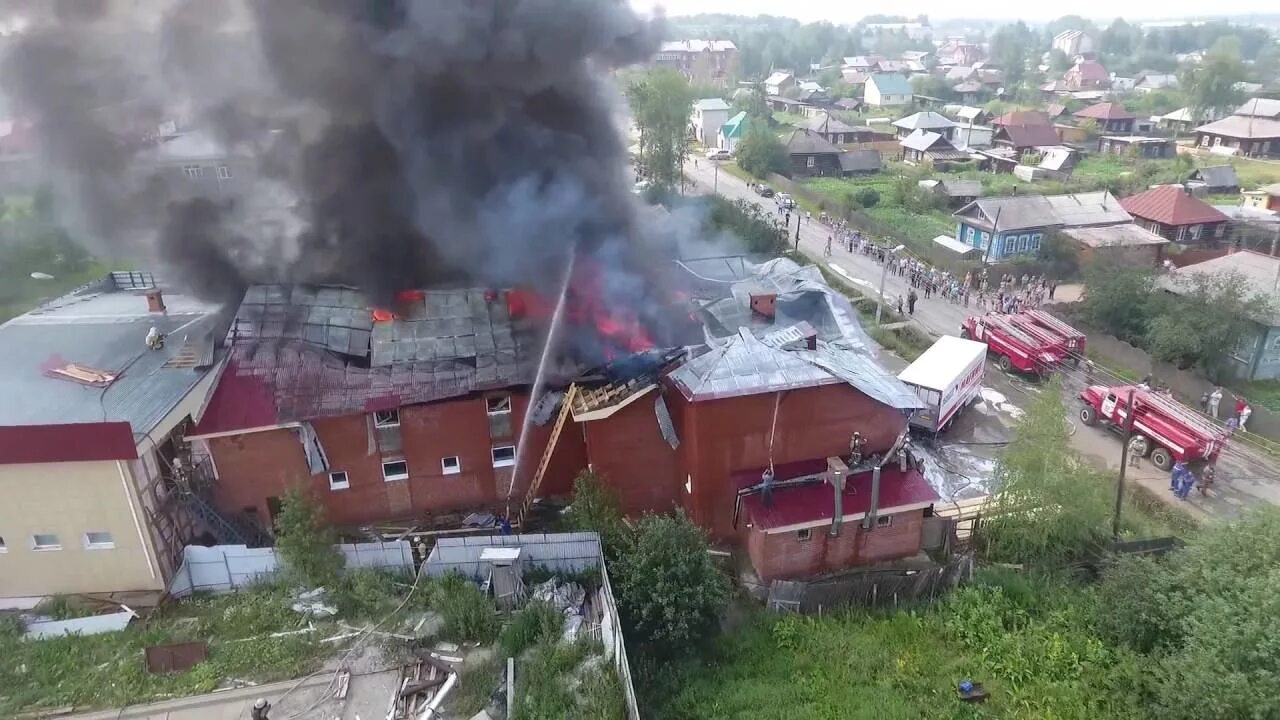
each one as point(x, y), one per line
point(224, 568)
point(558, 552)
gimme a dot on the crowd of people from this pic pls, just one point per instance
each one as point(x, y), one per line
point(1009, 294)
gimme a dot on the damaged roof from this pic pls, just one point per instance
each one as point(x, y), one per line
point(302, 352)
point(749, 353)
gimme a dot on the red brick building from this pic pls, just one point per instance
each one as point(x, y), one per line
point(411, 416)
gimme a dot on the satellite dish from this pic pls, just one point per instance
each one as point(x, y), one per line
point(41, 276)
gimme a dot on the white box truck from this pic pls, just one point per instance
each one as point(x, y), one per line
point(946, 378)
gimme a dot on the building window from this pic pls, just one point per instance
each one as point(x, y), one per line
point(3, 548)
point(498, 405)
point(338, 480)
point(1035, 242)
point(193, 171)
point(45, 541)
point(386, 418)
point(504, 456)
point(810, 161)
point(450, 465)
point(98, 541)
point(395, 470)
point(224, 172)
point(884, 521)
point(804, 535)
point(498, 409)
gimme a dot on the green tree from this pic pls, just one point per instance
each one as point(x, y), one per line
point(1058, 61)
point(931, 86)
point(1116, 298)
point(868, 197)
point(1050, 506)
point(305, 540)
point(660, 103)
point(1212, 317)
point(1210, 85)
point(748, 222)
point(669, 591)
point(1010, 47)
point(595, 509)
point(753, 103)
point(760, 151)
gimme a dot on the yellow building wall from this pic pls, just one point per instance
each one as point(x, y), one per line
point(68, 500)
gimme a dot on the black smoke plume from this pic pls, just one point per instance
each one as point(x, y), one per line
point(387, 145)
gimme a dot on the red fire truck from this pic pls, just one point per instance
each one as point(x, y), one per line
point(1075, 340)
point(1163, 428)
point(1014, 347)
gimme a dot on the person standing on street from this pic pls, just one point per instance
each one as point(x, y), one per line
point(1204, 402)
point(1215, 399)
point(827, 252)
point(899, 305)
point(911, 301)
point(1244, 411)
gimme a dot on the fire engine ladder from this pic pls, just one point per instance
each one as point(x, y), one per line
point(1007, 326)
point(566, 409)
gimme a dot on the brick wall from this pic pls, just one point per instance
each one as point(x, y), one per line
point(628, 451)
point(783, 555)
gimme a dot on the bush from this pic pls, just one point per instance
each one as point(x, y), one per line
point(595, 509)
point(305, 540)
point(468, 614)
point(760, 151)
point(867, 197)
point(366, 592)
point(668, 590)
point(1130, 609)
point(537, 622)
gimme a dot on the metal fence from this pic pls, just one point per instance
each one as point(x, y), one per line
point(225, 568)
point(870, 589)
point(556, 552)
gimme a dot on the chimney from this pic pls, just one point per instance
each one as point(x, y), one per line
point(155, 301)
point(837, 471)
point(764, 303)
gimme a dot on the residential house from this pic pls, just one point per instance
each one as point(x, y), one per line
point(991, 78)
point(860, 162)
point(854, 78)
point(1184, 120)
point(195, 164)
point(884, 90)
point(969, 91)
point(1122, 84)
point(900, 67)
point(967, 114)
point(1024, 138)
point(1252, 130)
point(1071, 134)
point(1054, 163)
point(1073, 43)
point(1022, 117)
point(972, 136)
point(732, 132)
point(1157, 81)
point(960, 73)
point(835, 131)
point(1214, 179)
point(923, 147)
point(956, 192)
point(1004, 227)
point(1126, 243)
point(1137, 146)
point(705, 62)
point(929, 121)
point(1085, 75)
point(1111, 117)
point(1053, 111)
point(100, 486)
point(958, 52)
point(708, 115)
point(920, 56)
point(1266, 197)
point(862, 63)
point(778, 83)
point(778, 103)
point(1257, 357)
point(811, 154)
point(1173, 213)
point(847, 104)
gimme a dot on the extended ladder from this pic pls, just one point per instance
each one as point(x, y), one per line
point(566, 409)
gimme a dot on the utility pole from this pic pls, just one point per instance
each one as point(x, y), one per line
point(715, 184)
point(884, 272)
point(1124, 463)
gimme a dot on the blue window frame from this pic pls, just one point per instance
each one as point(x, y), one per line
point(1035, 241)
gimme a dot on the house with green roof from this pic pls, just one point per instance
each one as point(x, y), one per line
point(732, 132)
point(886, 90)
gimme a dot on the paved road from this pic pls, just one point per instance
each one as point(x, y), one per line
point(1245, 478)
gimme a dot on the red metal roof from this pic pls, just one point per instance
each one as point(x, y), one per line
point(814, 502)
point(240, 401)
point(1091, 71)
point(1171, 205)
point(1106, 111)
point(1024, 136)
point(75, 442)
point(1022, 117)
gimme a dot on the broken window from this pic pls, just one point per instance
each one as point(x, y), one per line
point(450, 465)
point(99, 540)
point(317, 461)
point(45, 541)
point(386, 418)
point(884, 521)
point(504, 456)
point(395, 470)
point(804, 534)
point(338, 480)
point(498, 408)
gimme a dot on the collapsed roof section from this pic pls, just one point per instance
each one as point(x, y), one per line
point(781, 327)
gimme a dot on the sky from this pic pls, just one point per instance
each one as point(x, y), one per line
point(813, 10)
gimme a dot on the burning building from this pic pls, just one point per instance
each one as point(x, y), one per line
point(416, 413)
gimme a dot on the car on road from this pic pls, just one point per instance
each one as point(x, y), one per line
point(762, 190)
point(717, 154)
point(784, 201)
